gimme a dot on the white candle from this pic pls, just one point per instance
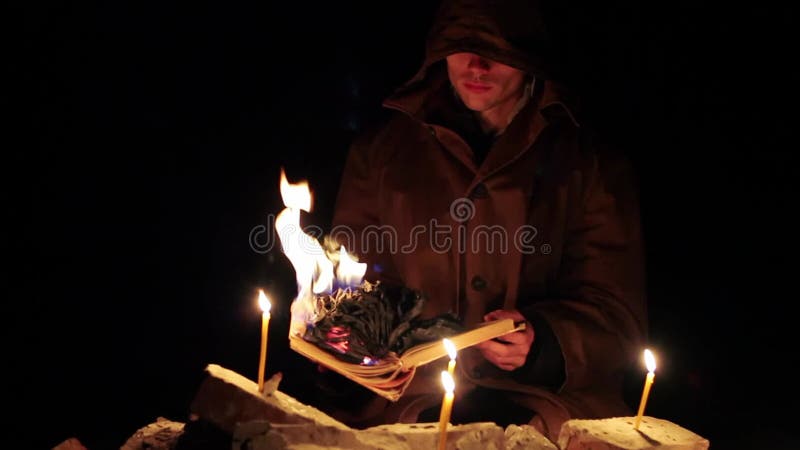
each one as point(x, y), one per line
point(263, 302)
point(650, 361)
point(447, 407)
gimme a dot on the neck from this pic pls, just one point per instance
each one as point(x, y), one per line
point(494, 121)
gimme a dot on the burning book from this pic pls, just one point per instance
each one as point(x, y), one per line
point(369, 332)
point(365, 324)
point(390, 375)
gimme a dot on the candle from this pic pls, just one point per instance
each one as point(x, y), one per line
point(263, 302)
point(447, 407)
point(650, 361)
point(451, 350)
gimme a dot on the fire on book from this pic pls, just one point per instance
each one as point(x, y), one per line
point(314, 265)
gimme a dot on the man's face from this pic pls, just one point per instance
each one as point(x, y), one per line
point(484, 85)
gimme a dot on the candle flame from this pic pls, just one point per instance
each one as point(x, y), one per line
point(349, 272)
point(447, 382)
point(450, 347)
point(649, 360)
point(263, 302)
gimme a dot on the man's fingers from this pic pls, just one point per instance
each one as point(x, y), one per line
point(503, 350)
point(516, 337)
point(495, 348)
point(514, 361)
point(508, 352)
point(505, 362)
point(503, 314)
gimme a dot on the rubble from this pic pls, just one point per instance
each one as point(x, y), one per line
point(229, 412)
point(617, 433)
point(163, 434)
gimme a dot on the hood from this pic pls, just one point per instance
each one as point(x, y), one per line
point(512, 32)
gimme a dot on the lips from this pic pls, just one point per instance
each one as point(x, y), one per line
point(476, 87)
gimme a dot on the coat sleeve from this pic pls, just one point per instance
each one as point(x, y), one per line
point(357, 205)
point(594, 324)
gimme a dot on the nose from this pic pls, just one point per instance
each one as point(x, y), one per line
point(478, 63)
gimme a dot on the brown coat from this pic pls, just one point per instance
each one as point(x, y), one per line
point(551, 229)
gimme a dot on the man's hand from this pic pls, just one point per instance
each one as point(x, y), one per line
point(509, 351)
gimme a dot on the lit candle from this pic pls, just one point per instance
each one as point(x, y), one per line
point(263, 302)
point(451, 350)
point(447, 407)
point(650, 361)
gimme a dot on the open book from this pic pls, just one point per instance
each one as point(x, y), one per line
point(390, 376)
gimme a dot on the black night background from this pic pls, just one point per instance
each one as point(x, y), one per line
point(146, 141)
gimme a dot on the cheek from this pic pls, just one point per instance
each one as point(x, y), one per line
point(514, 84)
point(453, 74)
point(456, 66)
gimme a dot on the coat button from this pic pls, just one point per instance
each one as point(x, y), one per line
point(478, 283)
point(479, 191)
point(476, 373)
point(432, 131)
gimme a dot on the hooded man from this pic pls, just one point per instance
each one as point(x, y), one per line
point(483, 191)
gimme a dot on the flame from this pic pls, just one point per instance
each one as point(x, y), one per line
point(349, 273)
point(367, 361)
point(650, 360)
point(314, 271)
point(295, 196)
point(447, 382)
point(450, 347)
point(263, 302)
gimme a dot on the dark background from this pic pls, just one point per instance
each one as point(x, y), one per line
point(146, 142)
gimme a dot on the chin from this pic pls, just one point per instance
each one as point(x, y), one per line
point(474, 103)
point(477, 105)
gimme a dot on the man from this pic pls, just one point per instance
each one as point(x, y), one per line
point(483, 191)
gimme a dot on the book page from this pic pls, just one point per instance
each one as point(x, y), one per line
point(385, 367)
point(385, 379)
point(390, 376)
point(430, 351)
